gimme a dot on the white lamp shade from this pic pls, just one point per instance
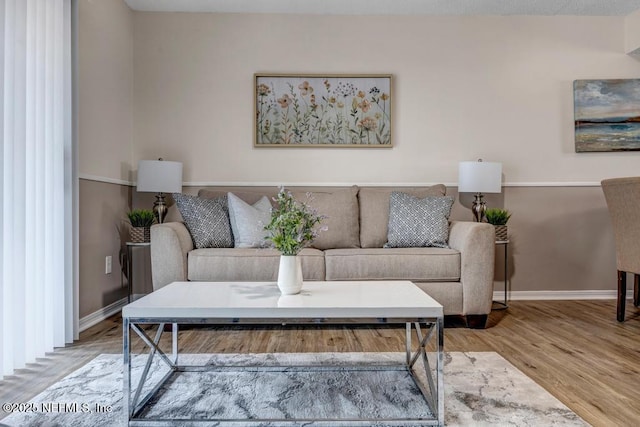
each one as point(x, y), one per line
point(159, 176)
point(480, 177)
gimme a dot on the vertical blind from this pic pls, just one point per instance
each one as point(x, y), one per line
point(36, 195)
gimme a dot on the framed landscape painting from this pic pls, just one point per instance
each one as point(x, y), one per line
point(322, 110)
point(607, 115)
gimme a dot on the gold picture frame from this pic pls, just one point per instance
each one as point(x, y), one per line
point(322, 110)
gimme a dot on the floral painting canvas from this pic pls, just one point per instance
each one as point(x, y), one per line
point(607, 115)
point(323, 111)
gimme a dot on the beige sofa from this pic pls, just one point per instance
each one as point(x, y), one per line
point(459, 277)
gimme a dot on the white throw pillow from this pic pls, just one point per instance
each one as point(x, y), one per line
point(248, 222)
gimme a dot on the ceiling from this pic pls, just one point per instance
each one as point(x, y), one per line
point(396, 7)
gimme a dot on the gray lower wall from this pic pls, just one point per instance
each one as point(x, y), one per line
point(561, 239)
point(103, 208)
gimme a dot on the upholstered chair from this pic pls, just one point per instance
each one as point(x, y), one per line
point(623, 200)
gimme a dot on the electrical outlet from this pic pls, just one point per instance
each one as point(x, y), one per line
point(107, 265)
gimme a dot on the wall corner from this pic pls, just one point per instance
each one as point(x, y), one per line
point(632, 33)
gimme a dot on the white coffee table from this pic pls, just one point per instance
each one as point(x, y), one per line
point(358, 302)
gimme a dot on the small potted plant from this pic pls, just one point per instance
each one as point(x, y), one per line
point(292, 227)
point(498, 218)
point(141, 222)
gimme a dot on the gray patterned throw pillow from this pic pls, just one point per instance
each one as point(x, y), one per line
point(206, 219)
point(415, 222)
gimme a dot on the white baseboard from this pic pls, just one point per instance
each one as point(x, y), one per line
point(98, 316)
point(557, 295)
point(108, 311)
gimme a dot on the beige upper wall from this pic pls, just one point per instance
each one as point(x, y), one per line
point(499, 88)
point(105, 88)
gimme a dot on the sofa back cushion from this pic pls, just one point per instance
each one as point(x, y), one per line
point(374, 211)
point(249, 196)
point(340, 206)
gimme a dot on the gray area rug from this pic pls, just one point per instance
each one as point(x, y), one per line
point(481, 389)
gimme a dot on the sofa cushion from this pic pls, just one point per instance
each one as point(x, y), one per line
point(374, 211)
point(248, 196)
point(340, 207)
point(415, 222)
point(415, 264)
point(248, 221)
point(248, 264)
point(206, 219)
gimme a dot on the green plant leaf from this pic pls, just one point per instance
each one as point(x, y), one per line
point(293, 224)
point(141, 217)
point(497, 216)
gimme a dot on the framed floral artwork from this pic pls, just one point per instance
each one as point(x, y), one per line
point(322, 110)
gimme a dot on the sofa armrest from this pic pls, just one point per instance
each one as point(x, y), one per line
point(170, 244)
point(476, 243)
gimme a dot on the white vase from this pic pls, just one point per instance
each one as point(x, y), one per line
point(290, 275)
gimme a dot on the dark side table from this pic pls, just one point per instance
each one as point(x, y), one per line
point(130, 246)
point(500, 305)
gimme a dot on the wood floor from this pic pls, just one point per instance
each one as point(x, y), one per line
point(574, 349)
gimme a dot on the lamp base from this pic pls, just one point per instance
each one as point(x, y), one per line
point(160, 208)
point(478, 208)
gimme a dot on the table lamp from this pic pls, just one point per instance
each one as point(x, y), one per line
point(159, 176)
point(479, 177)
